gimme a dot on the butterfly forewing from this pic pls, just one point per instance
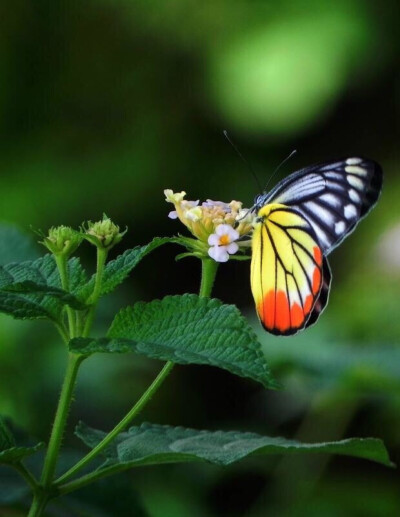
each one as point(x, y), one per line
point(286, 269)
point(333, 196)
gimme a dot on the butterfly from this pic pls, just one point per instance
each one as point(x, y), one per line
point(298, 223)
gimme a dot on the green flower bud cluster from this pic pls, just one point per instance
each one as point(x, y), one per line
point(103, 234)
point(62, 240)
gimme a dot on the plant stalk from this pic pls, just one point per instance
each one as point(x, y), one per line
point(94, 297)
point(209, 270)
point(144, 399)
point(62, 265)
point(39, 503)
point(60, 419)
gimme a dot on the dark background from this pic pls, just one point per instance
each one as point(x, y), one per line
point(103, 105)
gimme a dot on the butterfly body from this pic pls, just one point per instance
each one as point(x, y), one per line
point(299, 222)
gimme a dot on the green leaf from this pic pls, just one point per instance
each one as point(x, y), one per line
point(9, 452)
point(118, 269)
point(185, 329)
point(6, 437)
point(15, 245)
point(15, 454)
point(33, 289)
point(153, 444)
point(28, 307)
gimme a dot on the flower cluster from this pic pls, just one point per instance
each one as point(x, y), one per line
point(103, 234)
point(61, 240)
point(222, 227)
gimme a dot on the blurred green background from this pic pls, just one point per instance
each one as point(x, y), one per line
point(103, 104)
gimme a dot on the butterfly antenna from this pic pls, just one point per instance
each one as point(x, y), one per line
point(249, 167)
point(278, 168)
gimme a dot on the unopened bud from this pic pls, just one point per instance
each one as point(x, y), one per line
point(62, 240)
point(103, 234)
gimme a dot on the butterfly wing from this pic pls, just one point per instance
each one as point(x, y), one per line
point(288, 270)
point(333, 197)
point(323, 296)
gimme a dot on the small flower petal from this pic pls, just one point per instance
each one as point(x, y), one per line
point(173, 214)
point(220, 204)
point(235, 206)
point(245, 215)
point(193, 214)
point(213, 240)
point(172, 197)
point(226, 229)
point(232, 248)
point(222, 229)
point(218, 253)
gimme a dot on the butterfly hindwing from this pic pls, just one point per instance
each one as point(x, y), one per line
point(333, 196)
point(322, 299)
point(286, 269)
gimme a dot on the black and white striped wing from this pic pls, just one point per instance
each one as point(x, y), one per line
point(332, 196)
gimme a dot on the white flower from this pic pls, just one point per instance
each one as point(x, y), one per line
point(222, 243)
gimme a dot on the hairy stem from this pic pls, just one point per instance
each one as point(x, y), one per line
point(62, 265)
point(60, 419)
point(39, 503)
point(208, 271)
point(144, 399)
point(94, 297)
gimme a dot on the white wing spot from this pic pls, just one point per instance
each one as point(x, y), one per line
point(354, 196)
point(355, 182)
point(318, 210)
point(350, 211)
point(353, 161)
point(355, 169)
point(340, 227)
point(331, 200)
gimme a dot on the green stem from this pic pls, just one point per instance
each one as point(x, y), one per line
point(38, 504)
point(208, 271)
point(60, 419)
point(62, 265)
point(76, 484)
point(144, 399)
point(94, 297)
point(63, 331)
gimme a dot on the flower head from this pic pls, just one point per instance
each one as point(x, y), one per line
point(103, 234)
point(62, 240)
point(207, 220)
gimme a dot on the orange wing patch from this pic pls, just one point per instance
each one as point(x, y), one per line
point(286, 269)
